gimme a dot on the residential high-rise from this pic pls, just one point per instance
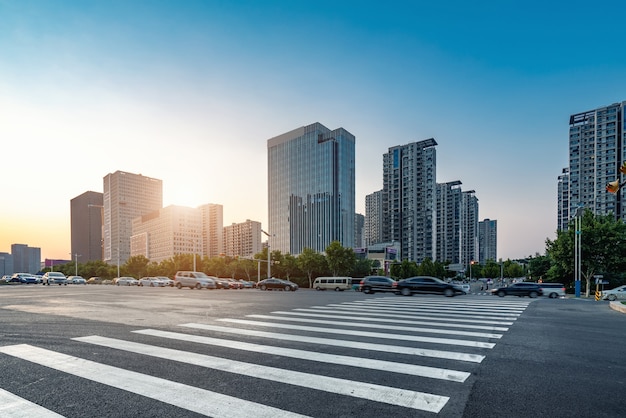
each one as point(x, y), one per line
point(212, 229)
point(409, 193)
point(311, 189)
point(449, 224)
point(359, 228)
point(487, 240)
point(563, 207)
point(374, 218)
point(243, 239)
point(597, 148)
point(162, 234)
point(126, 197)
point(469, 232)
point(86, 219)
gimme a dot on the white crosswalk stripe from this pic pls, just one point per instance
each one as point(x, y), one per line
point(476, 326)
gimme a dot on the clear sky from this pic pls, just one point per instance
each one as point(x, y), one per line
point(189, 92)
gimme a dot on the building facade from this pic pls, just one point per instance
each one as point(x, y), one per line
point(86, 220)
point(212, 229)
point(409, 193)
point(164, 233)
point(126, 197)
point(26, 259)
point(373, 230)
point(243, 239)
point(469, 231)
point(449, 227)
point(487, 240)
point(311, 189)
point(597, 148)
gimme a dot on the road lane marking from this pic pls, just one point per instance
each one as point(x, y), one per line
point(187, 397)
point(12, 406)
point(434, 312)
point(377, 326)
point(377, 393)
point(449, 341)
point(388, 366)
point(310, 313)
point(450, 355)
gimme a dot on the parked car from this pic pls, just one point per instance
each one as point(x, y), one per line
point(222, 283)
point(125, 281)
point(151, 282)
point(519, 289)
point(26, 278)
point(427, 284)
point(246, 284)
point(234, 284)
point(76, 280)
point(553, 290)
point(373, 284)
point(194, 280)
point(277, 284)
point(94, 280)
point(54, 277)
point(614, 294)
point(166, 281)
point(11, 279)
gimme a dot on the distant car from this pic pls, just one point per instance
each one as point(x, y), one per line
point(234, 284)
point(553, 290)
point(277, 284)
point(166, 281)
point(26, 278)
point(94, 280)
point(10, 279)
point(151, 282)
point(520, 289)
point(246, 284)
point(54, 277)
point(125, 281)
point(614, 294)
point(464, 286)
point(76, 280)
point(194, 280)
point(222, 283)
point(373, 284)
point(429, 285)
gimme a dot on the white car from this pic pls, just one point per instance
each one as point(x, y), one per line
point(151, 282)
point(125, 281)
point(54, 277)
point(76, 280)
point(613, 294)
point(166, 281)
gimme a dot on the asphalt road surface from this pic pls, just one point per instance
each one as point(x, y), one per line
point(108, 351)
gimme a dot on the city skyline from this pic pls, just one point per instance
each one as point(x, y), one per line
point(190, 93)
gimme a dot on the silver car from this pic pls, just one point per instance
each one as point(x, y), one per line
point(614, 294)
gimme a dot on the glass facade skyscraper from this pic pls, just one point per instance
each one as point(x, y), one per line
point(311, 189)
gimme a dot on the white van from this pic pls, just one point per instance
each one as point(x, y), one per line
point(335, 283)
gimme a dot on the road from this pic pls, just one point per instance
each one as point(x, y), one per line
point(107, 351)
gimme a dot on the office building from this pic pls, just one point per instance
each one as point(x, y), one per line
point(596, 151)
point(243, 239)
point(311, 189)
point(164, 233)
point(26, 259)
point(87, 222)
point(373, 230)
point(409, 193)
point(359, 229)
point(6, 264)
point(212, 229)
point(487, 240)
point(126, 197)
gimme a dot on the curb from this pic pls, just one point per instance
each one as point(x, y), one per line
point(618, 306)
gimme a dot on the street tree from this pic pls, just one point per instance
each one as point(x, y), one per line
point(341, 260)
point(312, 263)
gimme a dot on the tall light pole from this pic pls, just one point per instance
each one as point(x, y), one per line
point(76, 255)
point(269, 255)
point(577, 249)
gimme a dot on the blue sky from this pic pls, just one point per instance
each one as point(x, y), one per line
point(190, 91)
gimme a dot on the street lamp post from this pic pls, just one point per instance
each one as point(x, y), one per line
point(577, 249)
point(76, 255)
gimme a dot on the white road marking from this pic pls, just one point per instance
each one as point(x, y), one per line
point(187, 397)
point(450, 355)
point(377, 393)
point(12, 406)
point(388, 366)
point(449, 341)
point(384, 327)
point(432, 312)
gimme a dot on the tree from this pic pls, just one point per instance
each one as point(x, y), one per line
point(137, 266)
point(311, 262)
point(290, 267)
point(539, 266)
point(603, 243)
point(404, 270)
point(340, 260)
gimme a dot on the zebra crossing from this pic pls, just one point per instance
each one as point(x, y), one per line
point(407, 354)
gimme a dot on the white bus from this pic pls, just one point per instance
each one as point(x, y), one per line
point(335, 283)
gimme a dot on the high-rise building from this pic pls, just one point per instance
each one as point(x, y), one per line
point(487, 240)
point(212, 229)
point(469, 225)
point(311, 189)
point(126, 197)
point(597, 148)
point(359, 228)
point(409, 194)
point(374, 218)
point(243, 239)
point(26, 259)
point(563, 207)
point(86, 219)
point(162, 234)
point(449, 225)
point(6, 264)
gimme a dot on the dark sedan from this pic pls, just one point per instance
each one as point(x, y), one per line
point(427, 284)
point(277, 284)
point(531, 290)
